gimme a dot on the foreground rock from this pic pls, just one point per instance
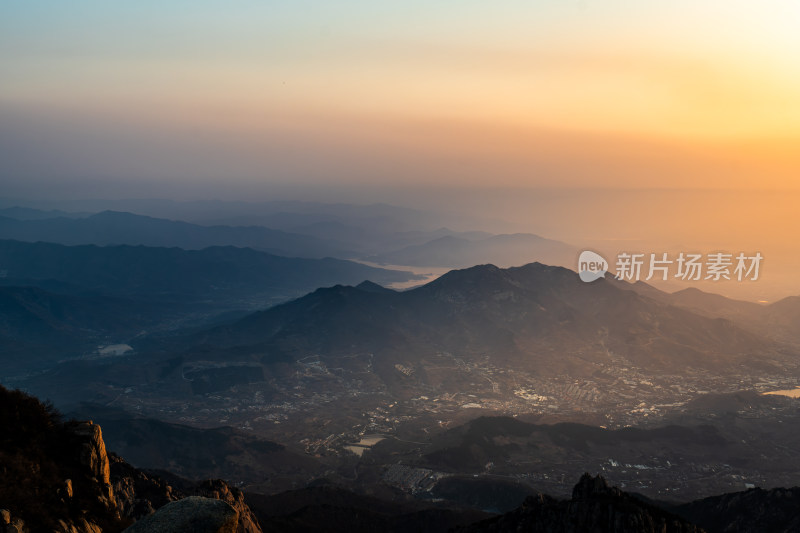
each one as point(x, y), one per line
point(219, 490)
point(194, 514)
point(57, 476)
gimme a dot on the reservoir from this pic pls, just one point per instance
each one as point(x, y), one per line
point(791, 393)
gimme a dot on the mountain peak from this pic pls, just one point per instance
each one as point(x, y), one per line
point(589, 487)
point(483, 277)
point(110, 213)
point(467, 273)
point(371, 286)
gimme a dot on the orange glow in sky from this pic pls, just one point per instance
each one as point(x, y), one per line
point(634, 94)
point(706, 92)
point(466, 104)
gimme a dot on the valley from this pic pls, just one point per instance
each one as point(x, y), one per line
point(320, 411)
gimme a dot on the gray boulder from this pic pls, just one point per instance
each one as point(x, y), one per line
point(194, 514)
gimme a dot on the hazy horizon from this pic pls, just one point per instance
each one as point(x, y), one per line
point(661, 125)
point(606, 220)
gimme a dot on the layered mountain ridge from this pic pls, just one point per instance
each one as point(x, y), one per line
point(533, 315)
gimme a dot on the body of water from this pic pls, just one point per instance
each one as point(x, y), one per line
point(792, 393)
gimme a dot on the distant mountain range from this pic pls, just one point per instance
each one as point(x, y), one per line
point(536, 317)
point(60, 301)
point(369, 240)
point(27, 213)
point(502, 250)
point(286, 215)
point(309, 235)
point(114, 228)
point(228, 276)
point(539, 320)
point(777, 320)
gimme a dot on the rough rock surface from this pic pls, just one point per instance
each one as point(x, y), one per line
point(218, 489)
point(57, 476)
point(194, 514)
point(93, 453)
point(9, 524)
point(138, 493)
point(93, 456)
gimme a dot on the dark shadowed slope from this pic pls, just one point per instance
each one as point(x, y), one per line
point(236, 277)
point(752, 511)
point(38, 328)
point(594, 507)
point(777, 320)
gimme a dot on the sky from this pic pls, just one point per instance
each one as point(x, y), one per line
point(674, 120)
point(628, 94)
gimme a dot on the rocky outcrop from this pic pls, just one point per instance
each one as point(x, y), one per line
point(92, 455)
point(137, 493)
point(54, 476)
point(218, 489)
point(194, 514)
point(594, 507)
point(57, 476)
point(11, 524)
